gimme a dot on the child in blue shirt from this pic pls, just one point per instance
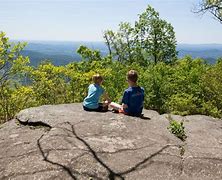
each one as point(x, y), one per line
point(133, 98)
point(95, 91)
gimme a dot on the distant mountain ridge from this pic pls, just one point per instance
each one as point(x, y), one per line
point(61, 53)
point(209, 52)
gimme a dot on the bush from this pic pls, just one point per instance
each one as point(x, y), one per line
point(178, 129)
point(156, 81)
point(15, 99)
point(211, 83)
point(182, 104)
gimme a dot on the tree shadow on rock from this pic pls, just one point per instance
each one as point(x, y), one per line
point(112, 174)
point(72, 173)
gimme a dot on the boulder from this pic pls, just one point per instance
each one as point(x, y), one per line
point(65, 142)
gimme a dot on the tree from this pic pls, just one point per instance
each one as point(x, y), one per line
point(12, 67)
point(11, 62)
point(120, 44)
point(212, 6)
point(150, 39)
point(89, 54)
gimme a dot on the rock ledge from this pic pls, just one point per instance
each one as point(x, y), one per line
point(65, 142)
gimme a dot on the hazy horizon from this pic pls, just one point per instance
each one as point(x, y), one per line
point(66, 41)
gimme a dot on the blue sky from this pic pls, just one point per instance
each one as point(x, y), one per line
point(85, 20)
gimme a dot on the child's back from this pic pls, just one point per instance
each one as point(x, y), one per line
point(95, 91)
point(92, 99)
point(133, 97)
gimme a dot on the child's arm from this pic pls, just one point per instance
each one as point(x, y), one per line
point(125, 100)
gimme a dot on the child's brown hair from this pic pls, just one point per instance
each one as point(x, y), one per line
point(97, 78)
point(132, 75)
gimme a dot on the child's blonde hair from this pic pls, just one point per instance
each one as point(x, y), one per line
point(97, 78)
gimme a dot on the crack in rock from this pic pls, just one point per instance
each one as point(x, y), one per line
point(34, 124)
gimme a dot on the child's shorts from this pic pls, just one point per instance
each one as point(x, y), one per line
point(101, 108)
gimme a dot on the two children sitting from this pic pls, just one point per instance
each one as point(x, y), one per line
point(132, 101)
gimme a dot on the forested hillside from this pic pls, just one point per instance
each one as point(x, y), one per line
point(62, 53)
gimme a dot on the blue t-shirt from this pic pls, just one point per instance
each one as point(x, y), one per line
point(92, 99)
point(133, 97)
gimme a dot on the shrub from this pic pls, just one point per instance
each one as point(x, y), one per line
point(182, 104)
point(178, 129)
point(211, 83)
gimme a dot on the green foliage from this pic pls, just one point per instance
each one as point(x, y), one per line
point(150, 39)
point(88, 54)
point(186, 91)
point(156, 81)
point(211, 83)
point(178, 129)
point(12, 63)
point(156, 37)
point(12, 68)
point(188, 86)
point(182, 104)
point(49, 84)
point(15, 99)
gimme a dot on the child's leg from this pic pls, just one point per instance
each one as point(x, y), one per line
point(115, 106)
point(87, 109)
point(102, 107)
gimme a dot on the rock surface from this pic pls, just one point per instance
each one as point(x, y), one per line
point(65, 142)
